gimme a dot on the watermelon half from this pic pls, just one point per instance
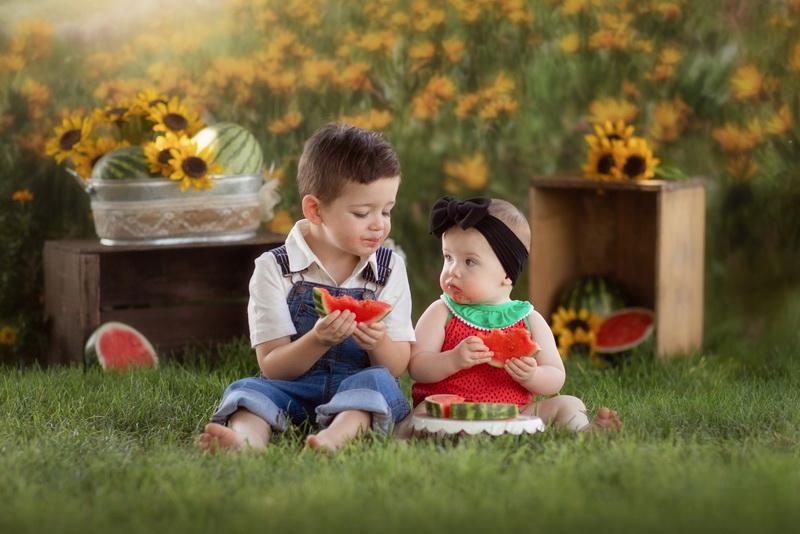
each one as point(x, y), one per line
point(119, 347)
point(367, 311)
point(439, 405)
point(624, 330)
point(507, 344)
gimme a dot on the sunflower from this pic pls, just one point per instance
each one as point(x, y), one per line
point(85, 160)
point(160, 153)
point(175, 117)
point(148, 99)
point(117, 113)
point(604, 161)
point(69, 137)
point(638, 162)
point(193, 167)
point(575, 330)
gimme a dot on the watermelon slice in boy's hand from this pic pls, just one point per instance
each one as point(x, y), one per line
point(366, 311)
point(508, 344)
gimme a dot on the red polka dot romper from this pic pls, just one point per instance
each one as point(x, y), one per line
point(480, 383)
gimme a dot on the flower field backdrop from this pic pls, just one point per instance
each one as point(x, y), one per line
point(476, 95)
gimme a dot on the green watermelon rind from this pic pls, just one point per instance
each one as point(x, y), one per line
point(596, 293)
point(632, 344)
point(483, 411)
point(233, 147)
point(92, 355)
point(320, 294)
point(124, 163)
point(436, 409)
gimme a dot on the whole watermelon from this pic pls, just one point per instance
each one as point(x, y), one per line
point(231, 146)
point(595, 293)
point(121, 163)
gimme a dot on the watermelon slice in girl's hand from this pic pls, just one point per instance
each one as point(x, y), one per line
point(507, 344)
point(366, 311)
point(119, 347)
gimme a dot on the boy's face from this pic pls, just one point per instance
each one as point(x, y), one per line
point(471, 273)
point(358, 220)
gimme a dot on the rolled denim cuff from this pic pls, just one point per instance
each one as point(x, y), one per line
point(253, 402)
point(366, 400)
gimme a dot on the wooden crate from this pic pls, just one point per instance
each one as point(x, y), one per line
point(648, 235)
point(174, 294)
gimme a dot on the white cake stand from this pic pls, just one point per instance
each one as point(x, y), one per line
point(527, 424)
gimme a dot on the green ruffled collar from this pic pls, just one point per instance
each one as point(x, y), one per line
point(489, 316)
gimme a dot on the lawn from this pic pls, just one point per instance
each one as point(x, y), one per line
point(710, 443)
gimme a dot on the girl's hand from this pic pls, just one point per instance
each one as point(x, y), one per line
point(369, 335)
point(521, 369)
point(470, 352)
point(335, 327)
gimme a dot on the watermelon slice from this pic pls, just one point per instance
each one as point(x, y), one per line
point(439, 405)
point(119, 347)
point(624, 330)
point(483, 411)
point(367, 311)
point(507, 344)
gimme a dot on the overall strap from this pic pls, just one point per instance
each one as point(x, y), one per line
point(384, 258)
point(282, 257)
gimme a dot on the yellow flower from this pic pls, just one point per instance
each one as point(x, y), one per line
point(91, 152)
point(421, 53)
point(148, 99)
point(11, 62)
point(604, 161)
point(780, 122)
point(608, 39)
point(612, 109)
point(669, 119)
point(22, 196)
point(287, 123)
point(746, 82)
point(192, 167)
point(668, 9)
point(37, 96)
point(116, 113)
point(162, 151)
point(398, 20)
point(425, 105)
point(468, 10)
point(794, 60)
point(442, 87)
point(670, 56)
point(637, 160)
point(572, 7)
point(378, 41)
point(472, 170)
point(516, 12)
point(424, 17)
point(570, 43)
point(374, 119)
point(466, 103)
point(453, 48)
point(315, 71)
point(175, 117)
point(575, 327)
point(613, 131)
point(8, 335)
point(281, 223)
point(741, 166)
point(355, 77)
point(73, 131)
point(735, 140)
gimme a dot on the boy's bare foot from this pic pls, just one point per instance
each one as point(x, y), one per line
point(217, 436)
point(605, 420)
point(322, 442)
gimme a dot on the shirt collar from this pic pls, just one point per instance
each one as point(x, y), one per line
point(301, 256)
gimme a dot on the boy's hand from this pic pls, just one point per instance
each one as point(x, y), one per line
point(369, 335)
point(470, 352)
point(521, 369)
point(335, 327)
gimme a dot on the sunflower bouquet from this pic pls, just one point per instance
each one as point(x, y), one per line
point(575, 331)
point(615, 154)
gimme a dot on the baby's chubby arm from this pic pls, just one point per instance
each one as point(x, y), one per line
point(284, 359)
point(548, 375)
point(428, 363)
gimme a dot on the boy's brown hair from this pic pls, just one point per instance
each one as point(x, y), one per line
point(338, 153)
point(513, 218)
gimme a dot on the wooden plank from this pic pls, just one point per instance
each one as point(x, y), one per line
point(94, 246)
point(171, 328)
point(570, 181)
point(681, 241)
point(634, 252)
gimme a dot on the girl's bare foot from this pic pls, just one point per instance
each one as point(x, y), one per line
point(322, 442)
point(605, 420)
point(217, 437)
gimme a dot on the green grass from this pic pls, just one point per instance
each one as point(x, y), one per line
point(709, 443)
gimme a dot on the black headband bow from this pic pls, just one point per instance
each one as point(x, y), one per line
point(448, 212)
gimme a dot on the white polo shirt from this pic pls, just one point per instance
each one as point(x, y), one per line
point(268, 313)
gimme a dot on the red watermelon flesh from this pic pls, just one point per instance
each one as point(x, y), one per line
point(507, 344)
point(439, 405)
point(624, 329)
point(366, 311)
point(118, 347)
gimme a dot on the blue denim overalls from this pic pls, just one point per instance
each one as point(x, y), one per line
point(340, 380)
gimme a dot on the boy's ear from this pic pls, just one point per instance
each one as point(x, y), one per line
point(311, 209)
point(507, 282)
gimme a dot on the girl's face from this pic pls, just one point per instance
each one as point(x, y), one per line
point(358, 220)
point(471, 273)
